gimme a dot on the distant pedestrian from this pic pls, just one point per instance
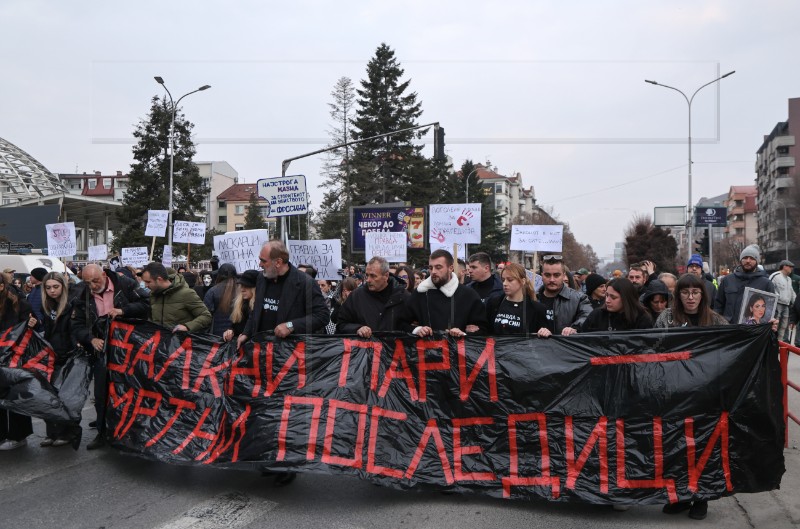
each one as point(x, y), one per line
point(782, 279)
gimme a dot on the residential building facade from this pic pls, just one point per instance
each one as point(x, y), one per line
point(510, 197)
point(232, 208)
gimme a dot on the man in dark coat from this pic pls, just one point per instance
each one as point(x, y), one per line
point(442, 303)
point(377, 307)
point(103, 294)
point(730, 293)
point(483, 281)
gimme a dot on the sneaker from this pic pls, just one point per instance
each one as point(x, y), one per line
point(699, 510)
point(62, 442)
point(677, 508)
point(8, 444)
point(47, 442)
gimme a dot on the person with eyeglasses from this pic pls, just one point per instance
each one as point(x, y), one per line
point(406, 274)
point(566, 308)
point(690, 308)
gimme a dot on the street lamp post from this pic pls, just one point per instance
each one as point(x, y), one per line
point(689, 102)
point(174, 106)
point(466, 180)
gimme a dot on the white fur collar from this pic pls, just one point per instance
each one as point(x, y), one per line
point(448, 289)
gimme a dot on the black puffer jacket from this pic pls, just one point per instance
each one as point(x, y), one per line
point(364, 307)
point(731, 291)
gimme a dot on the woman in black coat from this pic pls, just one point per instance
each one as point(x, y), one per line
point(14, 428)
point(517, 311)
point(622, 310)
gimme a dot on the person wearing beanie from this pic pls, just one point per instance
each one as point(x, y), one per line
point(35, 295)
point(730, 293)
point(596, 289)
point(782, 279)
point(695, 267)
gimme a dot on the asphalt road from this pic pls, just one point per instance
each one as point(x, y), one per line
point(61, 488)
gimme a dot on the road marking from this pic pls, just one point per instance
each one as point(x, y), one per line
point(230, 510)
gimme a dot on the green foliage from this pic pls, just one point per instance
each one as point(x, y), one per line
point(252, 218)
point(148, 185)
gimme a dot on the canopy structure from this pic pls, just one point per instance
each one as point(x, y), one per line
point(22, 177)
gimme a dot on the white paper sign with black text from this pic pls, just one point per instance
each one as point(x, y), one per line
point(189, 232)
point(240, 248)
point(156, 222)
point(98, 253)
point(451, 223)
point(325, 256)
point(61, 240)
point(533, 238)
point(136, 257)
point(390, 245)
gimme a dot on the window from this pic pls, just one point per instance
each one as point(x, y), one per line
point(106, 183)
point(122, 184)
point(221, 203)
point(498, 187)
point(92, 183)
point(239, 209)
point(239, 227)
point(223, 219)
point(498, 204)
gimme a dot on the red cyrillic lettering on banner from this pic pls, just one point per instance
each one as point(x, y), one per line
point(357, 461)
point(514, 479)
point(288, 400)
point(487, 359)
point(658, 482)
point(399, 358)
point(640, 359)
point(151, 344)
point(375, 415)
point(117, 401)
point(123, 344)
point(138, 409)
point(197, 431)
point(423, 366)
point(376, 365)
point(19, 349)
point(431, 430)
point(696, 467)
point(298, 356)
point(214, 437)
point(186, 349)
point(348, 348)
point(460, 451)
point(597, 437)
point(4, 341)
point(224, 441)
point(36, 362)
point(180, 405)
point(238, 370)
point(209, 371)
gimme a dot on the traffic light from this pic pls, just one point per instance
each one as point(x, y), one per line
point(703, 243)
point(438, 143)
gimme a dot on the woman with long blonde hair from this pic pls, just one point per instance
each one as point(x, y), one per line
point(516, 311)
point(243, 304)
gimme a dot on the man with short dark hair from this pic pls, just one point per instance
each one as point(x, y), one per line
point(308, 269)
point(730, 293)
point(484, 282)
point(172, 303)
point(442, 303)
point(637, 276)
point(377, 307)
point(566, 308)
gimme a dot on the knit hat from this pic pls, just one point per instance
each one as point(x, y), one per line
point(248, 278)
point(695, 259)
point(592, 282)
point(39, 273)
point(751, 251)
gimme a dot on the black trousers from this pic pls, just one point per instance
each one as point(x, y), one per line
point(100, 394)
point(13, 426)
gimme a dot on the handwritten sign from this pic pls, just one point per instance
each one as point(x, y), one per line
point(390, 245)
point(98, 253)
point(533, 238)
point(455, 223)
point(166, 256)
point(324, 255)
point(136, 257)
point(240, 248)
point(61, 240)
point(156, 222)
point(286, 195)
point(461, 248)
point(189, 232)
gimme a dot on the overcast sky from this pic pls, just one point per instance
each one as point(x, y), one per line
point(553, 90)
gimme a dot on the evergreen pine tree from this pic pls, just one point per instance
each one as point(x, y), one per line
point(148, 184)
point(252, 218)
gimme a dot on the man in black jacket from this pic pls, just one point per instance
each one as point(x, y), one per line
point(484, 282)
point(442, 303)
point(377, 307)
point(103, 294)
point(730, 293)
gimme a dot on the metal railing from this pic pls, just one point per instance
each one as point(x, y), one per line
point(784, 349)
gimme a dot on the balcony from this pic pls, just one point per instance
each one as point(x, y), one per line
point(784, 161)
point(784, 181)
point(783, 141)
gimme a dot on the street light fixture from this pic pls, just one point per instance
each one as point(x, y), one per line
point(689, 102)
point(174, 106)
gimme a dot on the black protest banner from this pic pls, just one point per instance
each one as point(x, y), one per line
point(27, 364)
point(633, 417)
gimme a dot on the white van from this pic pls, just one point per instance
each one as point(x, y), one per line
point(23, 264)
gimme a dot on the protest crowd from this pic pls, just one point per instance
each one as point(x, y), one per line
point(470, 297)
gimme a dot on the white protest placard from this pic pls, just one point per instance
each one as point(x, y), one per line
point(534, 238)
point(391, 245)
point(240, 248)
point(189, 232)
point(61, 241)
point(461, 248)
point(98, 253)
point(166, 256)
point(451, 223)
point(136, 257)
point(156, 222)
point(286, 195)
point(324, 255)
